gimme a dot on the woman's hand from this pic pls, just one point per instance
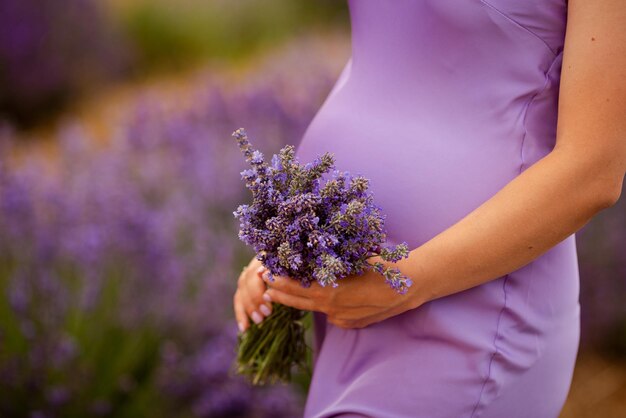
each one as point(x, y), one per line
point(248, 299)
point(356, 302)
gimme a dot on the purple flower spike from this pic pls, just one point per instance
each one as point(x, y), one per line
point(308, 230)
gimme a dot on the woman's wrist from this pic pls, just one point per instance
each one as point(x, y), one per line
point(420, 290)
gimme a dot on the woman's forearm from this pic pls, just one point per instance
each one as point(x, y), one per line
point(536, 210)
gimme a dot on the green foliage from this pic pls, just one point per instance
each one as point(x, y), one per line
point(111, 361)
point(172, 35)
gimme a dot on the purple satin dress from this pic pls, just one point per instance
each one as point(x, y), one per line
point(440, 105)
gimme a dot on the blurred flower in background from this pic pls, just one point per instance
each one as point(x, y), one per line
point(118, 261)
point(51, 51)
point(54, 51)
point(118, 264)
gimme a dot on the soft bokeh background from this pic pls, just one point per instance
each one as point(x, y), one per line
point(118, 177)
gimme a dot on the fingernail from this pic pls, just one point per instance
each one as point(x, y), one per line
point(260, 269)
point(256, 317)
point(266, 311)
point(240, 325)
point(266, 297)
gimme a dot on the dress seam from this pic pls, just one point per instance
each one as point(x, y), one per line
point(527, 107)
point(495, 345)
point(506, 278)
point(506, 16)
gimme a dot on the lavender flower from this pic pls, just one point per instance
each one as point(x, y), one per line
point(307, 231)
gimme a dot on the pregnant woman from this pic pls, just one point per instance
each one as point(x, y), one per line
point(450, 108)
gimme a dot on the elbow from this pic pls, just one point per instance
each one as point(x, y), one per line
point(613, 195)
point(601, 177)
point(611, 171)
point(610, 193)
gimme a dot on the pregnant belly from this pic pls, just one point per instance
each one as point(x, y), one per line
point(427, 169)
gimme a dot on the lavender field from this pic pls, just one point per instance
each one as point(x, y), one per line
point(119, 258)
point(118, 262)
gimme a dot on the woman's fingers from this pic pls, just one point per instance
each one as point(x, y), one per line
point(240, 312)
point(251, 288)
point(257, 289)
point(294, 301)
point(244, 297)
point(292, 286)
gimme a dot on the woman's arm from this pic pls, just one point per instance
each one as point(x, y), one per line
point(558, 194)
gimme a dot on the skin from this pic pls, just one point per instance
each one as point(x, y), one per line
point(580, 177)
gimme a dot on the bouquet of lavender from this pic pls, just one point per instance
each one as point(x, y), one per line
point(306, 231)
